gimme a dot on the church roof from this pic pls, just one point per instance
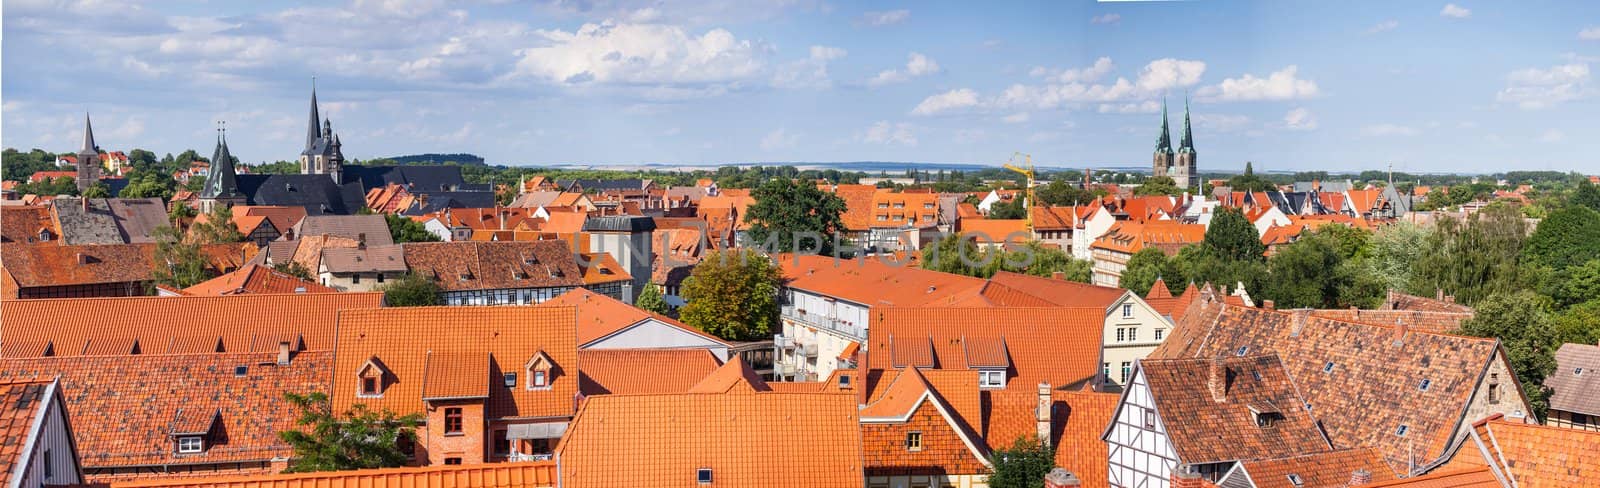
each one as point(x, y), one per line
point(319, 194)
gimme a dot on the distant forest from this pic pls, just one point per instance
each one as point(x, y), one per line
point(463, 159)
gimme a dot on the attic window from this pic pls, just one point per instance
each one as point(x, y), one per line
point(914, 441)
point(844, 381)
point(702, 476)
point(1256, 375)
point(555, 273)
point(1401, 432)
point(191, 444)
point(1295, 480)
point(511, 380)
point(1242, 350)
point(1327, 368)
point(241, 370)
point(1424, 385)
point(369, 386)
point(606, 271)
point(992, 378)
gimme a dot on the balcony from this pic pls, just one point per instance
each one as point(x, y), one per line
point(832, 324)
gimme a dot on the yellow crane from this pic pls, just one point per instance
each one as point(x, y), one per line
point(1026, 170)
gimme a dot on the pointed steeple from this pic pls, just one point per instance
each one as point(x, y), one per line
point(1164, 144)
point(223, 181)
point(1186, 145)
point(311, 128)
point(88, 137)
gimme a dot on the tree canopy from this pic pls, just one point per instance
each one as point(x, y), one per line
point(650, 299)
point(359, 438)
point(179, 262)
point(1232, 237)
point(1023, 465)
point(785, 211)
point(733, 294)
point(412, 290)
point(1158, 185)
point(402, 229)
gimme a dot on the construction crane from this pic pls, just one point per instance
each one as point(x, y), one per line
point(1026, 170)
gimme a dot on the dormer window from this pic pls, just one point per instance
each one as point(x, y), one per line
point(540, 379)
point(992, 378)
point(540, 370)
point(1401, 432)
point(370, 379)
point(1242, 351)
point(369, 386)
point(1327, 367)
point(191, 444)
point(1127, 310)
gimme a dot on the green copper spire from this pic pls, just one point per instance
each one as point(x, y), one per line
point(1164, 144)
point(1187, 144)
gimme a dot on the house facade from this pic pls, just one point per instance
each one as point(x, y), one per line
point(1575, 397)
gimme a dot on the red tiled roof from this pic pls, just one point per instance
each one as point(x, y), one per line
point(634, 371)
point(858, 205)
point(600, 316)
point(996, 230)
point(899, 209)
point(23, 223)
point(1060, 293)
point(1079, 448)
point(1537, 456)
point(475, 265)
point(1331, 469)
point(20, 403)
point(1479, 477)
point(254, 278)
point(1167, 235)
point(1048, 218)
point(949, 444)
point(160, 325)
point(1183, 394)
point(527, 474)
point(599, 268)
point(1055, 345)
point(734, 376)
point(874, 283)
point(34, 266)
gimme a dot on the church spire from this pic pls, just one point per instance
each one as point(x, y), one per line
point(1164, 144)
point(1187, 144)
point(223, 181)
point(312, 133)
point(88, 137)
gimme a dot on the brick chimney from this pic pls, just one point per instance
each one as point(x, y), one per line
point(1269, 305)
point(361, 240)
point(1400, 330)
point(1057, 275)
point(1439, 294)
point(1061, 478)
point(283, 353)
point(1042, 413)
point(1217, 381)
point(1360, 477)
point(1182, 478)
point(1301, 315)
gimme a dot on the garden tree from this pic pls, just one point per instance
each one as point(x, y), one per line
point(1521, 320)
point(18, 166)
point(1158, 185)
point(97, 190)
point(784, 209)
point(1232, 237)
point(1008, 209)
point(1314, 273)
point(218, 227)
point(955, 254)
point(1249, 181)
point(148, 184)
point(1393, 249)
point(1472, 259)
point(651, 300)
point(1143, 269)
point(1586, 195)
point(1351, 242)
point(51, 186)
point(403, 229)
point(1045, 261)
point(411, 290)
point(1575, 284)
point(1579, 324)
point(293, 268)
point(179, 263)
point(359, 438)
point(733, 294)
point(1023, 465)
point(1061, 193)
point(1568, 237)
point(141, 158)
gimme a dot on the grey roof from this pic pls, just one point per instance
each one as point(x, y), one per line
point(1398, 204)
point(223, 181)
point(109, 220)
point(604, 185)
point(1330, 186)
point(694, 193)
point(1573, 391)
point(373, 259)
point(442, 200)
point(619, 223)
point(416, 178)
point(88, 138)
point(373, 228)
point(536, 199)
point(319, 194)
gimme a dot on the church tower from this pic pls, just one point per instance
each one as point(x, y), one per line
point(1162, 161)
point(88, 158)
point(222, 186)
point(322, 154)
point(1186, 173)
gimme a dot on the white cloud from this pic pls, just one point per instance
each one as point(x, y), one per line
point(1534, 88)
point(1455, 11)
point(1163, 74)
point(916, 65)
point(1552, 135)
point(1380, 130)
point(1283, 84)
point(1145, 107)
point(1094, 72)
point(1299, 119)
point(951, 100)
point(1385, 26)
point(1016, 118)
point(883, 132)
point(609, 52)
point(779, 139)
point(1591, 33)
point(885, 18)
point(1106, 19)
point(811, 72)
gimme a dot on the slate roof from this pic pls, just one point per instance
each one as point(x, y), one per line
point(597, 186)
point(418, 178)
point(435, 201)
point(318, 194)
point(526, 474)
point(472, 265)
point(1374, 385)
point(635, 371)
point(1332, 469)
point(22, 224)
point(600, 316)
point(1575, 383)
point(126, 404)
point(1204, 430)
point(20, 403)
point(407, 341)
point(255, 279)
point(1055, 345)
point(109, 220)
point(187, 324)
point(738, 436)
point(372, 227)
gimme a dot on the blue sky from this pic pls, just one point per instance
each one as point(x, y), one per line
point(1469, 86)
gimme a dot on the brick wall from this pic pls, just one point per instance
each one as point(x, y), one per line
point(469, 445)
point(943, 451)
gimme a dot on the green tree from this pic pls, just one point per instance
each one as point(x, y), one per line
point(1579, 324)
point(218, 227)
point(293, 268)
point(1045, 261)
point(1568, 237)
point(1158, 185)
point(1008, 209)
point(412, 290)
point(179, 262)
point(957, 254)
point(1472, 259)
point(1233, 238)
point(1393, 249)
point(1521, 320)
point(403, 229)
point(97, 190)
point(1586, 195)
point(651, 300)
point(359, 438)
point(181, 214)
point(1143, 269)
point(1061, 193)
point(1249, 181)
point(1314, 272)
point(733, 294)
point(785, 211)
point(1023, 465)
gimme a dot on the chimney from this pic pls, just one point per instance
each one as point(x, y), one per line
point(1360, 477)
point(1400, 330)
point(1439, 294)
point(1042, 413)
point(1217, 381)
point(1269, 305)
point(1301, 315)
point(85, 202)
point(1058, 275)
point(1183, 478)
point(1061, 478)
point(283, 353)
point(361, 240)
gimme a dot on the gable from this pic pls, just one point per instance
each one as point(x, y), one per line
point(654, 333)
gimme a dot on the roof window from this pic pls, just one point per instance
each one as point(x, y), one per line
point(1424, 385)
point(1402, 430)
point(241, 370)
point(1294, 479)
point(1327, 368)
point(1242, 350)
point(702, 476)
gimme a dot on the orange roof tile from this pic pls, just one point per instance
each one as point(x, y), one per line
point(1079, 417)
point(50, 265)
point(20, 403)
point(600, 316)
point(735, 436)
point(898, 209)
point(472, 265)
point(535, 474)
point(254, 278)
point(633, 371)
point(996, 230)
point(599, 268)
point(161, 325)
point(734, 376)
point(1056, 292)
point(1479, 477)
point(949, 444)
point(24, 223)
point(1332, 469)
point(1055, 345)
point(1167, 235)
point(874, 283)
point(1537, 456)
point(1254, 384)
point(507, 337)
point(858, 205)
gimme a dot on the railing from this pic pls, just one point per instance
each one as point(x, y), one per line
point(824, 322)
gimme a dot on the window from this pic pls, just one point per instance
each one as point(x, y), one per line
point(1295, 480)
point(1133, 334)
point(702, 476)
point(1494, 388)
point(355, 278)
point(1127, 310)
point(511, 380)
point(913, 441)
point(1255, 374)
point(1402, 430)
point(991, 379)
point(1242, 350)
point(1122, 334)
point(49, 467)
point(190, 444)
point(1149, 419)
point(540, 380)
point(380, 277)
point(844, 381)
point(1267, 419)
point(1127, 369)
point(1424, 385)
point(452, 461)
point(1159, 333)
point(1105, 370)
point(1577, 371)
point(369, 386)
point(452, 420)
point(241, 370)
point(1327, 367)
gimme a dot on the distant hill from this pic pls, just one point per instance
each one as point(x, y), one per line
point(432, 158)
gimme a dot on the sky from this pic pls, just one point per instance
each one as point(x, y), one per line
point(1424, 86)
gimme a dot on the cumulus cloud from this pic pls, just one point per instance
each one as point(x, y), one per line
point(1385, 26)
point(1455, 11)
point(951, 100)
point(638, 53)
point(1094, 72)
point(1590, 34)
point(1167, 73)
point(1153, 81)
point(884, 132)
point(885, 18)
point(1105, 19)
point(1534, 88)
point(1386, 129)
point(917, 65)
point(1284, 84)
point(1299, 119)
point(1145, 107)
point(811, 72)
point(779, 139)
